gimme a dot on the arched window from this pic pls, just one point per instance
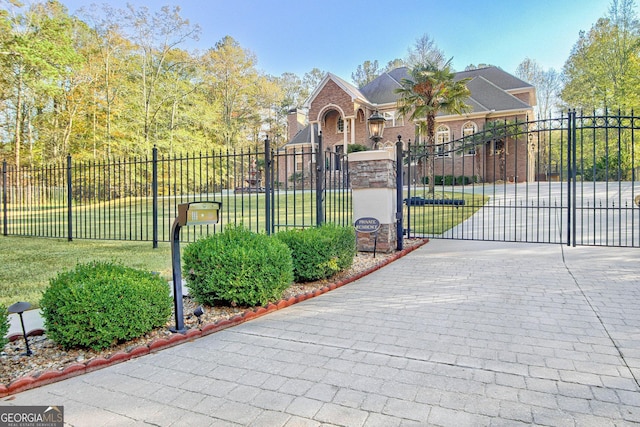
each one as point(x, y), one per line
point(443, 137)
point(469, 129)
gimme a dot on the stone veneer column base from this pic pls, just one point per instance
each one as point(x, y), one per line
point(386, 240)
point(373, 182)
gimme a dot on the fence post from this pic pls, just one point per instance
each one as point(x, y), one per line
point(320, 178)
point(5, 216)
point(267, 184)
point(154, 190)
point(571, 185)
point(399, 188)
point(69, 200)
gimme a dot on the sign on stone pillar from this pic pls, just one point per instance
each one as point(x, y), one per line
point(373, 183)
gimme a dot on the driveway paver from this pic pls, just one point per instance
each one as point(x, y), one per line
point(456, 333)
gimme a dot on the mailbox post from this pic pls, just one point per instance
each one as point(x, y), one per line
point(194, 213)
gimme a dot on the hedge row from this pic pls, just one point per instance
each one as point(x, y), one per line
point(451, 180)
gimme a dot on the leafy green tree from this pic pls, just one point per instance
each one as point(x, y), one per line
point(366, 73)
point(312, 79)
point(233, 79)
point(42, 57)
point(396, 63)
point(430, 89)
point(157, 38)
point(546, 82)
point(108, 54)
point(603, 67)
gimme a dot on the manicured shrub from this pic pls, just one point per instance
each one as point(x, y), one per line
point(237, 267)
point(354, 148)
point(4, 325)
point(99, 304)
point(320, 252)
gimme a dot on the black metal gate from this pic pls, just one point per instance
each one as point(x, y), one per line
point(571, 180)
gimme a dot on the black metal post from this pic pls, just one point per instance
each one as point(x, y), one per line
point(69, 201)
point(5, 216)
point(19, 308)
point(177, 278)
point(320, 172)
point(574, 178)
point(399, 190)
point(570, 172)
point(24, 334)
point(267, 185)
point(154, 190)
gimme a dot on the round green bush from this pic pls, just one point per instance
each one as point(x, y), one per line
point(99, 304)
point(320, 252)
point(4, 325)
point(237, 267)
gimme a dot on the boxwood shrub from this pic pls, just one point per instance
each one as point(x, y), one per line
point(99, 304)
point(320, 252)
point(4, 325)
point(237, 267)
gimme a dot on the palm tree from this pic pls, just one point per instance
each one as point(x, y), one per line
point(430, 89)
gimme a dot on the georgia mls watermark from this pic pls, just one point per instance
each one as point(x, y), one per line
point(31, 416)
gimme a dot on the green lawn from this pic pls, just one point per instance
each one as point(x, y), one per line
point(28, 263)
point(434, 220)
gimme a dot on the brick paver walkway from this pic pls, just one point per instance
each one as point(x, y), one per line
point(456, 333)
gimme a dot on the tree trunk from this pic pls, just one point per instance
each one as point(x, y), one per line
point(18, 127)
point(431, 164)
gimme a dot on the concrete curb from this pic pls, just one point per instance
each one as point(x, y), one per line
point(75, 369)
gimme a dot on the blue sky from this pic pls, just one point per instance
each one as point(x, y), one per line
point(338, 35)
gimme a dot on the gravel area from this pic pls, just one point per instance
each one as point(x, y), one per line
point(47, 355)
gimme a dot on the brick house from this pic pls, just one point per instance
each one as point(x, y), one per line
point(340, 111)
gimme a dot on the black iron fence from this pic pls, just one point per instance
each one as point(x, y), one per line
point(571, 180)
point(137, 199)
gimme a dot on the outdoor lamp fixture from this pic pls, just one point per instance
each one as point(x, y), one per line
point(21, 307)
point(198, 312)
point(376, 126)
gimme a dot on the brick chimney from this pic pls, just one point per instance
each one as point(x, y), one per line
point(295, 123)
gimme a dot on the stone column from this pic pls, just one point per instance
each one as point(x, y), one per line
point(373, 182)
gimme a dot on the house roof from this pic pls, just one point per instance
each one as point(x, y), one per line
point(497, 76)
point(489, 88)
point(303, 137)
point(382, 89)
point(350, 89)
point(487, 96)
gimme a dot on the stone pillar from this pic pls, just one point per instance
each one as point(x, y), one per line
point(373, 182)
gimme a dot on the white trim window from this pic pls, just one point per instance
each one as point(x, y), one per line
point(393, 119)
point(469, 129)
point(443, 137)
point(340, 125)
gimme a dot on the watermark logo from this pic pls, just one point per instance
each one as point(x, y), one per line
point(31, 416)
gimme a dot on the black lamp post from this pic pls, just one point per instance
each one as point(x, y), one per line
point(376, 126)
point(21, 307)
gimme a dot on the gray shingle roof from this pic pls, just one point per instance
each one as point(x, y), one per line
point(303, 136)
point(487, 82)
point(497, 76)
point(487, 96)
